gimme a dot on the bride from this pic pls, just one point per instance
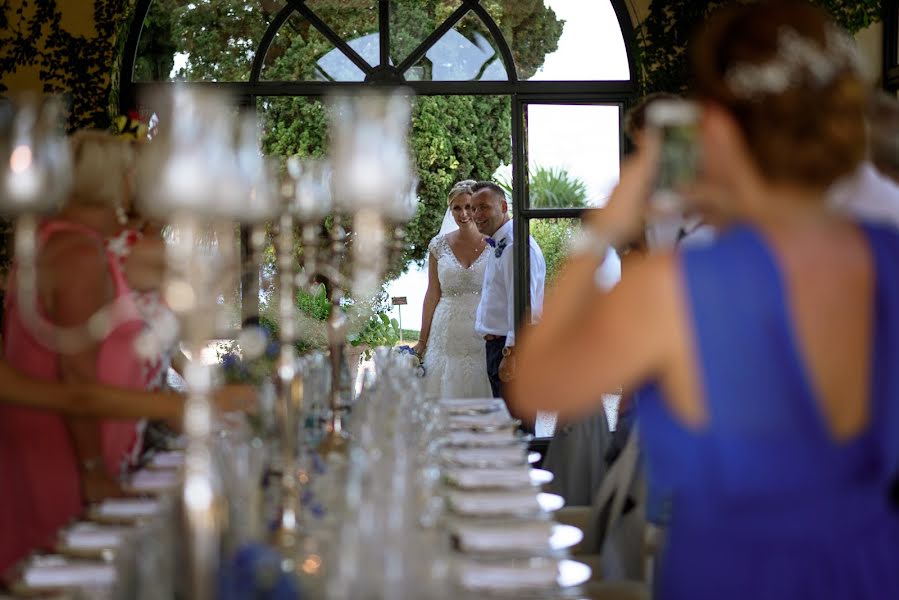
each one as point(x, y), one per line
point(453, 352)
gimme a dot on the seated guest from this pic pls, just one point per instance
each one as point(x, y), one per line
point(771, 406)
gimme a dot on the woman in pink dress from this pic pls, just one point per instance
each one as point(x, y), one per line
point(48, 464)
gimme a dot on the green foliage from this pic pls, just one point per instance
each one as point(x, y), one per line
point(380, 330)
point(553, 235)
point(670, 25)
point(315, 304)
point(411, 335)
point(553, 187)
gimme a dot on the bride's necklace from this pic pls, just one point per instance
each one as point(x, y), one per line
point(480, 244)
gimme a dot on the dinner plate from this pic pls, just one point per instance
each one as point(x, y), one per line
point(54, 573)
point(472, 406)
point(483, 422)
point(497, 478)
point(502, 503)
point(519, 576)
point(92, 540)
point(126, 511)
point(511, 455)
point(152, 481)
point(514, 538)
point(485, 438)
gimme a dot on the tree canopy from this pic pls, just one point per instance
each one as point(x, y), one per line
point(452, 137)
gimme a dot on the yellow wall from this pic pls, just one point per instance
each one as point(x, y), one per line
point(66, 47)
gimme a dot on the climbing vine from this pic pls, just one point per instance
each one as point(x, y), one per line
point(662, 37)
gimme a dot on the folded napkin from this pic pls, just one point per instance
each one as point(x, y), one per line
point(528, 537)
point(74, 574)
point(501, 456)
point(91, 536)
point(167, 460)
point(508, 576)
point(482, 438)
point(128, 507)
point(148, 480)
point(490, 478)
point(482, 421)
point(468, 405)
point(519, 502)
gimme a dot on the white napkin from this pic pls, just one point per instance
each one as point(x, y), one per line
point(481, 438)
point(148, 480)
point(128, 508)
point(508, 576)
point(533, 536)
point(487, 457)
point(490, 478)
point(70, 574)
point(91, 536)
point(465, 405)
point(521, 502)
point(168, 460)
point(482, 421)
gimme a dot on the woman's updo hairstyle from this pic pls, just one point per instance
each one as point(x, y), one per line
point(792, 80)
point(459, 188)
point(101, 164)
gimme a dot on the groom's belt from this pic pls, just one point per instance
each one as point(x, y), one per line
point(490, 337)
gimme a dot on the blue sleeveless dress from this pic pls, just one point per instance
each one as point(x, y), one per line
point(764, 503)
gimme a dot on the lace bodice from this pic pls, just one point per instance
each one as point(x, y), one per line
point(455, 361)
point(456, 280)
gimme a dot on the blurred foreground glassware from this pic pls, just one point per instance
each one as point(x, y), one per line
point(203, 173)
point(367, 185)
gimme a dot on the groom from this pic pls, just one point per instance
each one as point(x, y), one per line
point(495, 319)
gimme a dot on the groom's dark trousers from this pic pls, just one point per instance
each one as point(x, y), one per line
point(495, 345)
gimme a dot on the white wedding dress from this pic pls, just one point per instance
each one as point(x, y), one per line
point(455, 361)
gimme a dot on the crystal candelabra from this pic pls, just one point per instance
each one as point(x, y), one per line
point(367, 185)
point(290, 394)
point(203, 174)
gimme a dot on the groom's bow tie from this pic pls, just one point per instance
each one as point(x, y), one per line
point(491, 242)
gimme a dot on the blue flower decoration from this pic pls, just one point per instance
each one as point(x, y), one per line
point(229, 361)
point(254, 573)
point(500, 246)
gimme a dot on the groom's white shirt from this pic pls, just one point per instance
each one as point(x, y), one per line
point(496, 311)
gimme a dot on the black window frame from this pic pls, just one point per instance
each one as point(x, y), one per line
point(520, 92)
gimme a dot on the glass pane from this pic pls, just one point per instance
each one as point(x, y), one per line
point(464, 53)
point(215, 40)
point(564, 40)
point(573, 154)
point(553, 235)
point(300, 52)
point(412, 21)
point(356, 21)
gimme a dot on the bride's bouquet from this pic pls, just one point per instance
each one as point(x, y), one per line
point(415, 358)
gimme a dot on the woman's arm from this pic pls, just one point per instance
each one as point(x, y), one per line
point(95, 400)
point(590, 342)
point(432, 298)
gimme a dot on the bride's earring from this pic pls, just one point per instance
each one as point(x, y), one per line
point(120, 215)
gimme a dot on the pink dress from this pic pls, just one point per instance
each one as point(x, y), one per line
point(40, 488)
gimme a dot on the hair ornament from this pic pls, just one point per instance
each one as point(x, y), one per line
point(797, 60)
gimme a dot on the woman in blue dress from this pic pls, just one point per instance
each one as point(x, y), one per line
point(769, 358)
